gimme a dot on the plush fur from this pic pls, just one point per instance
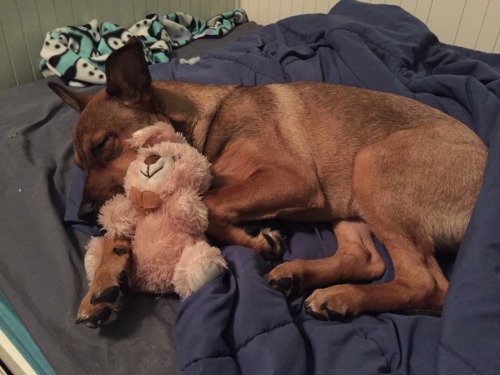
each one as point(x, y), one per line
point(162, 215)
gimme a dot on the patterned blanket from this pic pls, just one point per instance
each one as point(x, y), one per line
point(77, 53)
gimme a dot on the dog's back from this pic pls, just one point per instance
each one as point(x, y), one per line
point(318, 129)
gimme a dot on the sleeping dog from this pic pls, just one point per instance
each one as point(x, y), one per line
point(368, 162)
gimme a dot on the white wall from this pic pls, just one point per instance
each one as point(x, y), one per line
point(468, 23)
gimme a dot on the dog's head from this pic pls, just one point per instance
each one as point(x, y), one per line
point(107, 120)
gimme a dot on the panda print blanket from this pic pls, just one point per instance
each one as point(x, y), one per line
point(77, 53)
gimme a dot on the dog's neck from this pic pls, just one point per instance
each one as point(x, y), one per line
point(190, 107)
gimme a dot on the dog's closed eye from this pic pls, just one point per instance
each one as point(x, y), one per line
point(97, 149)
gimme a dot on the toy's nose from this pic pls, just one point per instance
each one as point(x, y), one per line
point(151, 159)
point(151, 165)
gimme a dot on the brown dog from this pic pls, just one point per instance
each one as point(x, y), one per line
point(369, 162)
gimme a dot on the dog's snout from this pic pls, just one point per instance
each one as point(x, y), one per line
point(151, 159)
point(87, 212)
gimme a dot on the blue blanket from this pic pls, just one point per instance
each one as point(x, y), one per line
point(237, 324)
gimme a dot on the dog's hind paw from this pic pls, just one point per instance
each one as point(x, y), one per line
point(286, 278)
point(287, 286)
point(333, 303)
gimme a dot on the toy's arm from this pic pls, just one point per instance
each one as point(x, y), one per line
point(191, 213)
point(118, 217)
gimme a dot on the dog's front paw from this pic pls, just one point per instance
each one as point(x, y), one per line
point(106, 262)
point(100, 306)
point(97, 318)
point(334, 303)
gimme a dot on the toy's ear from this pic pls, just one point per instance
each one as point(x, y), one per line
point(127, 73)
point(154, 134)
point(144, 201)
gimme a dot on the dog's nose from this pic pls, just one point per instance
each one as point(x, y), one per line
point(87, 212)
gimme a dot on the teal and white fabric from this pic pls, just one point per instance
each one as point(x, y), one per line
point(77, 53)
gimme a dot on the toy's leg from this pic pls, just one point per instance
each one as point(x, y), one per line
point(265, 195)
point(198, 265)
point(107, 263)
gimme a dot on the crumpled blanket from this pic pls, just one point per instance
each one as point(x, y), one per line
point(77, 53)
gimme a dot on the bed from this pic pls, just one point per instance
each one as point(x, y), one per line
point(237, 324)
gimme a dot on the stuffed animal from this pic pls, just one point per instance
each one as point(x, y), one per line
point(162, 216)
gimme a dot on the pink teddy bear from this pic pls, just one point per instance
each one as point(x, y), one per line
point(162, 216)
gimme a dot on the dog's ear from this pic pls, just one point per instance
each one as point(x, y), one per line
point(127, 73)
point(77, 101)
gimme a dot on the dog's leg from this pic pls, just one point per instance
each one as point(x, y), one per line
point(356, 259)
point(416, 189)
point(418, 285)
point(265, 195)
point(108, 282)
point(419, 282)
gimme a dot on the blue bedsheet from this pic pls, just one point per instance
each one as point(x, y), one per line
point(237, 324)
